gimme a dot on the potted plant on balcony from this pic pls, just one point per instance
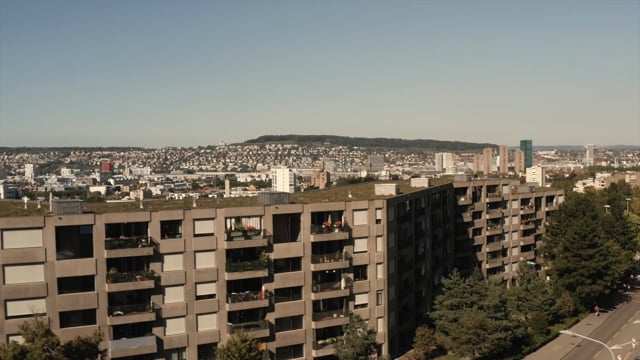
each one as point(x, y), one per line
point(113, 275)
point(337, 226)
point(252, 231)
point(326, 226)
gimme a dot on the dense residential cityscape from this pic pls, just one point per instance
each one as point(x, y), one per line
point(168, 260)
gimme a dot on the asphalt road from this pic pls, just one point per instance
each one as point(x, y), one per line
point(616, 328)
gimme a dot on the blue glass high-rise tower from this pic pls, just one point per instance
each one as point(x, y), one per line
point(527, 148)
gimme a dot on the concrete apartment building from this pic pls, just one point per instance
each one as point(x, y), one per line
point(288, 269)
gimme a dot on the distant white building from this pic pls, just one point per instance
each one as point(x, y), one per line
point(29, 172)
point(535, 175)
point(444, 161)
point(590, 155)
point(283, 179)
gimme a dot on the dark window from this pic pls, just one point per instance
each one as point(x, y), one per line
point(289, 323)
point(360, 272)
point(290, 352)
point(76, 284)
point(287, 294)
point(207, 351)
point(77, 318)
point(74, 242)
point(287, 265)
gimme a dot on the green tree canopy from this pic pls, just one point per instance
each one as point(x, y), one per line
point(40, 343)
point(359, 341)
point(472, 317)
point(240, 347)
point(583, 261)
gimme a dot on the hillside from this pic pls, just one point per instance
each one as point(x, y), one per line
point(388, 143)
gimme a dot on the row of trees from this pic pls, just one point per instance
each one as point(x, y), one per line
point(590, 251)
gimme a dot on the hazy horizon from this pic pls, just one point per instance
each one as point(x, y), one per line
point(194, 73)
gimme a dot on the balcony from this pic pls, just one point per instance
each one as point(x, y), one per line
point(247, 300)
point(132, 313)
point(494, 246)
point(328, 290)
point(494, 196)
point(133, 346)
point(494, 213)
point(494, 262)
point(246, 240)
point(494, 229)
point(325, 347)
point(527, 240)
point(463, 200)
point(335, 260)
point(527, 209)
point(527, 225)
point(256, 329)
point(246, 269)
point(127, 246)
point(330, 315)
point(125, 281)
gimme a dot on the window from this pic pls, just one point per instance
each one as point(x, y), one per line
point(206, 291)
point(290, 352)
point(361, 301)
point(378, 216)
point(379, 298)
point(74, 242)
point(207, 351)
point(360, 272)
point(207, 321)
point(176, 354)
point(287, 265)
point(287, 294)
point(379, 271)
point(379, 243)
point(23, 238)
point(25, 308)
point(380, 324)
point(203, 227)
point(76, 284)
point(21, 274)
point(205, 259)
point(173, 294)
point(360, 245)
point(171, 262)
point(289, 323)
point(171, 229)
point(16, 337)
point(360, 217)
point(174, 326)
point(77, 318)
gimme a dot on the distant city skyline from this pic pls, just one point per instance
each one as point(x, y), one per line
point(195, 73)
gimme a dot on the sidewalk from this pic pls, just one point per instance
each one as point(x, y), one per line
point(561, 345)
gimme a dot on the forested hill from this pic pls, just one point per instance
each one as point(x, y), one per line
point(389, 143)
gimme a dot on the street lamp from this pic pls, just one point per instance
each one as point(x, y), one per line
point(569, 332)
point(606, 208)
point(627, 200)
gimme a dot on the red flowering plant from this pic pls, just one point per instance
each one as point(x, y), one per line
point(250, 227)
point(326, 224)
point(337, 223)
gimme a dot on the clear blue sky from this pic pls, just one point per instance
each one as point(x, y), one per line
point(157, 73)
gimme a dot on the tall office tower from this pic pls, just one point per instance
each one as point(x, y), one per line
point(518, 161)
point(447, 161)
point(487, 160)
point(439, 165)
point(535, 175)
point(590, 156)
point(503, 152)
point(476, 164)
point(527, 147)
point(284, 179)
point(29, 172)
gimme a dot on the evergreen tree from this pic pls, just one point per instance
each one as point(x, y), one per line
point(424, 342)
point(531, 299)
point(472, 317)
point(582, 261)
point(240, 347)
point(358, 342)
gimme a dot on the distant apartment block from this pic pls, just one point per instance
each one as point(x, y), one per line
point(487, 161)
point(535, 175)
point(503, 156)
point(288, 269)
point(283, 180)
point(519, 161)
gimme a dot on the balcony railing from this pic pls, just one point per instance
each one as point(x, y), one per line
point(245, 235)
point(246, 265)
point(247, 326)
point(118, 277)
point(330, 286)
point(128, 242)
point(329, 314)
point(120, 310)
point(330, 257)
point(245, 296)
point(323, 343)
